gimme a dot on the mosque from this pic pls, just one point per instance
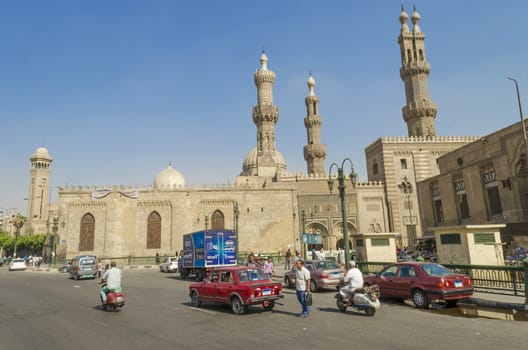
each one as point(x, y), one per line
point(268, 205)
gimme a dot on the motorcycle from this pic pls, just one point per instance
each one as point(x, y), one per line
point(114, 300)
point(364, 299)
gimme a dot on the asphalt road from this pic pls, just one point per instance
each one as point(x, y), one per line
point(46, 310)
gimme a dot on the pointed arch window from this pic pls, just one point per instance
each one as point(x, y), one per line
point(218, 222)
point(154, 231)
point(87, 233)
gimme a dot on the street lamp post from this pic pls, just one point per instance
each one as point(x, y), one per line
point(341, 187)
point(522, 117)
point(406, 186)
point(206, 220)
point(237, 213)
point(55, 229)
point(303, 221)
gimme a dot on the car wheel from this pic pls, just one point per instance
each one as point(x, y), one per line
point(313, 286)
point(64, 269)
point(419, 298)
point(268, 305)
point(195, 299)
point(77, 277)
point(236, 306)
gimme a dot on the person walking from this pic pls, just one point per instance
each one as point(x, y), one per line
point(268, 268)
point(302, 287)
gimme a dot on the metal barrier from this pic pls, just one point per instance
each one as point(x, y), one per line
point(507, 280)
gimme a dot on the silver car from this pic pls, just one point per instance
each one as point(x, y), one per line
point(323, 274)
point(83, 266)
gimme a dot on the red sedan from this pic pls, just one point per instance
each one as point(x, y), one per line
point(423, 282)
point(238, 287)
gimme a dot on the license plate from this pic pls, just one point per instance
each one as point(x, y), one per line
point(458, 283)
point(266, 292)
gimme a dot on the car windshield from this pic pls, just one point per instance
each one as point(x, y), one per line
point(326, 265)
point(436, 270)
point(251, 275)
point(18, 260)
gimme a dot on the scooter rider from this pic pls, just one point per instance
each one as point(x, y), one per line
point(353, 280)
point(112, 278)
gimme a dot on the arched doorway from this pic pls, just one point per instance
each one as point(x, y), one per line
point(154, 231)
point(338, 233)
point(217, 220)
point(87, 233)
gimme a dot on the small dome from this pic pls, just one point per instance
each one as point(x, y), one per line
point(169, 178)
point(250, 165)
point(403, 16)
point(41, 153)
point(311, 84)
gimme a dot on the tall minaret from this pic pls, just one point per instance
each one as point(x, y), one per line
point(419, 112)
point(314, 151)
point(38, 196)
point(265, 116)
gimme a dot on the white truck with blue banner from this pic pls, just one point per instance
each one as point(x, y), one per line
point(204, 250)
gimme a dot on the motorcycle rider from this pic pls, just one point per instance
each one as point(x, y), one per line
point(353, 280)
point(112, 278)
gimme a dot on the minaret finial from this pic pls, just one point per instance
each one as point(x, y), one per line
point(402, 8)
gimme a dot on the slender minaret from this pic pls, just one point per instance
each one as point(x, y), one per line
point(38, 196)
point(314, 151)
point(265, 116)
point(419, 112)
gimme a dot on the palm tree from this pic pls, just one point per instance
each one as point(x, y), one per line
point(18, 222)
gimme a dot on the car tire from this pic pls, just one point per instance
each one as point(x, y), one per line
point(268, 305)
point(236, 306)
point(195, 299)
point(77, 277)
point(64, 269)
point(313, 285)
point(419, 298)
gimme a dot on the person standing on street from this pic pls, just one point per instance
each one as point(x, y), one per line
point(268, 268)
point(288, 259)
point(302, 287)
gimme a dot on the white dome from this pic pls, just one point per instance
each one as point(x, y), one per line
point(250, 165)
point(41, 153)
point(169, 178)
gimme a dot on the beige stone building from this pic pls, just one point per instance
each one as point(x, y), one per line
point(400, 162)
point(482, 183)
point(268, 204)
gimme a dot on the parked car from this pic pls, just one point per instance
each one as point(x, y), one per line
point(237, 286)
point(17, 264)
point(423, 282)
point(323, 274)
point(83, 266)
point(169, 265)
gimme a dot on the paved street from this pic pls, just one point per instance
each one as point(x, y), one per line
point(46, 310)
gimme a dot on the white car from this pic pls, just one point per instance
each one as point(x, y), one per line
point(170, 265)
point(17, 264)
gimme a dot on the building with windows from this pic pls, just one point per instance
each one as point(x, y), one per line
point(481, 183)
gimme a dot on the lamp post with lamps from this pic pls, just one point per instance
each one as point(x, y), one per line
point(407, 189)
point(303, 224)
point(341, 186)
point(236, 212)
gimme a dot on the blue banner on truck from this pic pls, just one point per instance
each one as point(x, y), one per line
point(209, 248)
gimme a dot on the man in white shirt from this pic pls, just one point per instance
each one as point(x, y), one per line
point(112, 278)
point(302, 286)
point(353, 280)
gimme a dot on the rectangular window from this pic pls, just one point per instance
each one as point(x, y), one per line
point(494, 200)
point(403, 163)
point(438, 211)
point(450, 238)
point(379, 242)
point(375, 168)
point(359, 243)
point(482, 238)
point(463, 206)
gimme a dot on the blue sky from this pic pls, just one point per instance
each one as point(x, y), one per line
point(117, 89)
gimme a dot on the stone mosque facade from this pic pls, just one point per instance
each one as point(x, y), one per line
point(269, 204)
